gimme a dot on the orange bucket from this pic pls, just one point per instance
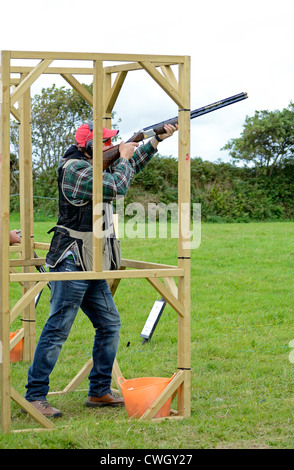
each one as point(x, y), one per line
point(140, 393)
point(16, 352)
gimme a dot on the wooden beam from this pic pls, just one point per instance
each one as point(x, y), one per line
point(15, 247)
point(170, 76)
point(14, 81)
point(89, 56)
point(107, 116)
point(41, 246)
point(79, 377)
point(184, 196)
point(27, 262)
point(167, 295)
point(168, 391)
point(29, 80)
point(97, 165)
point(171, 285)
point(14, 270)
point(26, 215)
point(86, 275)
point(116, 373)
point(15, 113)
point(78, 87)
point(4, 242)
point(114, 92)
point(50, 70)
point(132, 67)
point(130, 263)
point(83, 373)
point(16, 338)
point(163, 83)
point(26, 300)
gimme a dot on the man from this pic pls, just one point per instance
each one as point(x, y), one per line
point(71, 250)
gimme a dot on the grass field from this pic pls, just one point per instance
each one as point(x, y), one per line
point(241, 325)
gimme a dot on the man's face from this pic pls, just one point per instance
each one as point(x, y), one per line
point(106, 147)
point(107, 144)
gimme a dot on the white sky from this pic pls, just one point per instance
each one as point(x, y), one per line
point(234, 45)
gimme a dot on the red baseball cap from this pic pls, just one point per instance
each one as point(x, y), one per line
point(85, 133)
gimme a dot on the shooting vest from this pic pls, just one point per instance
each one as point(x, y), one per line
point(73, 232)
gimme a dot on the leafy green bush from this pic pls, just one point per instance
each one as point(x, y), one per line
point(226, 192)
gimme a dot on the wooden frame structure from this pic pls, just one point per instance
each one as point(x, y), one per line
point(161, 277)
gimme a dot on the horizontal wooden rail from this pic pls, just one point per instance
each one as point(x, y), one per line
point(27, 262)
point(96, 56)
point(87, 275)
point(126, 67)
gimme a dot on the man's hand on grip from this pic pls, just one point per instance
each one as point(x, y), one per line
point(127, 149)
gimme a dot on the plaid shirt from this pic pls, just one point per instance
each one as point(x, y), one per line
point(78, 176)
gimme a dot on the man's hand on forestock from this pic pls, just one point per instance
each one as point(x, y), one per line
point(169, 130)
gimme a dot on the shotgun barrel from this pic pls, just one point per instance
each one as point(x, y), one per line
point(200, 111)
point(112, 154)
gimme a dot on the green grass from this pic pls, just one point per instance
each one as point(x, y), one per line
point(241, 326)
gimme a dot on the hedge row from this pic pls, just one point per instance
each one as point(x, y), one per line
point(227, 193)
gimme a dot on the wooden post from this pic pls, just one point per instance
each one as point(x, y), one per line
point(184, 361)
point(26, 217)
point(4, 244)
point(106, 93)
point(97, 165)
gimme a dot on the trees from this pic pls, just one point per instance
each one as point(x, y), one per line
point(267, 140)
point(56, 114)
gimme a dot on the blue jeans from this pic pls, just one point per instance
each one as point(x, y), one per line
point(95, 299)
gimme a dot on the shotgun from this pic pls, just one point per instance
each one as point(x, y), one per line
point(112, 154)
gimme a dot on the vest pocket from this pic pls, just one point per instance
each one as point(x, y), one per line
point(111, 254)
point(116, 253)
point(105, 255)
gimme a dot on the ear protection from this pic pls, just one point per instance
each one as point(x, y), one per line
point(89, 144)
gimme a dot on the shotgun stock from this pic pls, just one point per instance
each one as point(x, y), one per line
point(112, 154)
